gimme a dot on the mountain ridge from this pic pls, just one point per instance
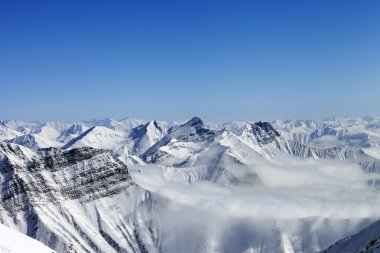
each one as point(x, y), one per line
point(95, 189)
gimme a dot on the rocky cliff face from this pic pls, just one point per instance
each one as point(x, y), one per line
point(53, 175)
point(81, 200)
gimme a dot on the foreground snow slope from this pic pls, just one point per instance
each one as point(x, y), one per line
point(12, 241)
point(365, 241)
point(82, 199)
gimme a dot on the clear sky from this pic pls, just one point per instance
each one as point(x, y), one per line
point(220, 60)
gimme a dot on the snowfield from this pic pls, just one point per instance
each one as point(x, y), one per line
point(12, 241)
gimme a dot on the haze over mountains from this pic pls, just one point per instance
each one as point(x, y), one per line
point(161, 186)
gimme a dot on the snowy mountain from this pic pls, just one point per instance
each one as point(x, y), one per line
point(119, 125)
point(22, 126)
point(219, 156)
point(81, 200)
point(72, 132)
point(193, 144)
point(85, 199)
point(34, 141)
point(332, 132)
point(129, 144)
point(97, 137)
point(41, 135)
point(144, 136)
point(184, 141)
point(7, 133)
point(16, 242)
point(365, 241)
point(290, 186)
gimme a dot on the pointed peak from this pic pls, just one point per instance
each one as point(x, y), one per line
point(152, 124)
point(75, 127)
point(195, 121)
point(264, 125)
point(264, 131)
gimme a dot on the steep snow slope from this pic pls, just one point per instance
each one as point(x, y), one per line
point(215, 153)
point(48, 131)
point(368, 158)
point(219, 156)
point(365, 241)
point(81, 199)
point(57, 134)
point(21, 126)
point(187, 140)
point(143, 137)
point(14, 242)
point(72, 132)
point(262, 136)
point(124, 125)
point(131, 123)
point(34, 141)
point(98, 137)
point(128, 144)
point(7, 133)
point(41, 136)
point(297, 130)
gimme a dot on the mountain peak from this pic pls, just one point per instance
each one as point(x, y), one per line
point(152, 123)
point(194, 122)
point(267, 127)
point(264, 132)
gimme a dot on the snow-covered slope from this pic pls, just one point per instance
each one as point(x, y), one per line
point(143, 137)
point(213, 153)
point(365, 241)
point(22, 126)
point(34, 141)
point(12, 241)
point(98, 137)
point(313, 145)
point(218, 156)
point(181, 143)
point(129, 144)
point(49, 131)
point(72, 132)
point(123, 125)
point(81, 200)
point(41, 136)
point(332, 132)
point(131, 123)
point(7, 133)
point(57, 134)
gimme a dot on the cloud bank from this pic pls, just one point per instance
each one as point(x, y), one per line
point(286, 188)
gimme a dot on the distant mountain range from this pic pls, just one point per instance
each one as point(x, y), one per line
point(143, 185)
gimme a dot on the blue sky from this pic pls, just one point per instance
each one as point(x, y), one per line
point(220, 60)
